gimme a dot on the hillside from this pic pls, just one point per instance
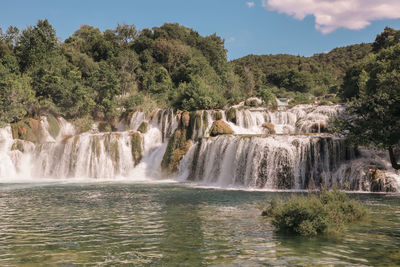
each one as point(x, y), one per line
point(95, 75)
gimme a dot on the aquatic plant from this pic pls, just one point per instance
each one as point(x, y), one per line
point(326, 212)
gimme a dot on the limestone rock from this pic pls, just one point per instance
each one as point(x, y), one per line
point(269, 127)
point(220, 127)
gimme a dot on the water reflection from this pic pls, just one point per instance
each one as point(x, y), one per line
point(172, 224)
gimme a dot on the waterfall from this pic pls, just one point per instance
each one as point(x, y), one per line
point(270, 149)
point(273, 162)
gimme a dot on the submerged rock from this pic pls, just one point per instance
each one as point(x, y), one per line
point(220, 127)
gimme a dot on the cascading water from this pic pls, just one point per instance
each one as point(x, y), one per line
point(273, 162)
point(281, 149)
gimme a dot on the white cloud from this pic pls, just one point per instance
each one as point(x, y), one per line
point(250, 4)
point(333, 14)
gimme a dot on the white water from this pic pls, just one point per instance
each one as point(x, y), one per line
point(296, 157)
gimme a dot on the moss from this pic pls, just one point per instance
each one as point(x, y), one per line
point(220, 127)
point(195, 123)
point(205, 121)
point(22, 130)
point(143, 127)
point(185, 119)
point(115, 154)
point(136, 147)
point(96, 146)
point(177, 147)
point(104, 126)
point(18, 145)
point(231, 115)
point(328, 212)
point(217, 115)
point(252, 103)
point(54, 126)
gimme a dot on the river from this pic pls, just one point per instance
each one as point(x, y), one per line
point(170, 224)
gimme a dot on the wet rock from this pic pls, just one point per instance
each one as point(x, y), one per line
point(269, 128)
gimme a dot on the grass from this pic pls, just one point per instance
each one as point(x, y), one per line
point(326, 212)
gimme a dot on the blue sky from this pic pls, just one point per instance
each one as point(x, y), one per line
point(248, 27)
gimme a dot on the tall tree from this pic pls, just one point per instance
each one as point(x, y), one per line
point(373, 115)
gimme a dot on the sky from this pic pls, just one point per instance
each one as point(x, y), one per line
point(298, 27)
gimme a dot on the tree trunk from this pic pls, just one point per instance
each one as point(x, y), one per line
point(393, 159)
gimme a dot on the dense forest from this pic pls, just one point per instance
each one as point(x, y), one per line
point(95, 75)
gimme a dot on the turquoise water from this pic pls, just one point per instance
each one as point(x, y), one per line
point(175, 224)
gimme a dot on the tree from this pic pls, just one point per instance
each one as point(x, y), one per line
point(16, 96)
point(373, 115)
point(35, 44)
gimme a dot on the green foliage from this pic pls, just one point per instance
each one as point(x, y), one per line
point(197, 94)
point(36, 44)
point(83, 124)
point(104, 126)
point(104, 74)
point(328, 212)
point(373, 113)
point(16, 96)
point(268, 98)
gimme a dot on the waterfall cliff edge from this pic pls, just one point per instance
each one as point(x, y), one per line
point(238, 147)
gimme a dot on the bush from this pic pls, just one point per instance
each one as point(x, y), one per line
point(328, 212)
point(83, 124)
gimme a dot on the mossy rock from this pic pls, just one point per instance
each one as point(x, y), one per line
point(185, 119)
point(18, 145)
point(205, 121)
point(269, 127)
point(217, 115)
point(136, 147)
point(220, 127)
point(22, 130)
point(115, 154)
point(143, 127)
point(177, 147)
point(252, 102)
point(104, 126)
point(54, 126)
point(231, 115)
point(195, 123)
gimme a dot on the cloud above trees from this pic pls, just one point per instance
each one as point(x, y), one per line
point(333, 14)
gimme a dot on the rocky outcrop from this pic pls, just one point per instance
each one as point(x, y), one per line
point(178, 145)
point(220, 127)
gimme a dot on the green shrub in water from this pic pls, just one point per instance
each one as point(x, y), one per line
point(328, 212)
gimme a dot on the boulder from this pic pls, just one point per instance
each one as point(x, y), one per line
point(220, 127)
point(269, 128)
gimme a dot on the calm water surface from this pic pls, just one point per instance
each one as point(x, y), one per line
point(174, 224)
